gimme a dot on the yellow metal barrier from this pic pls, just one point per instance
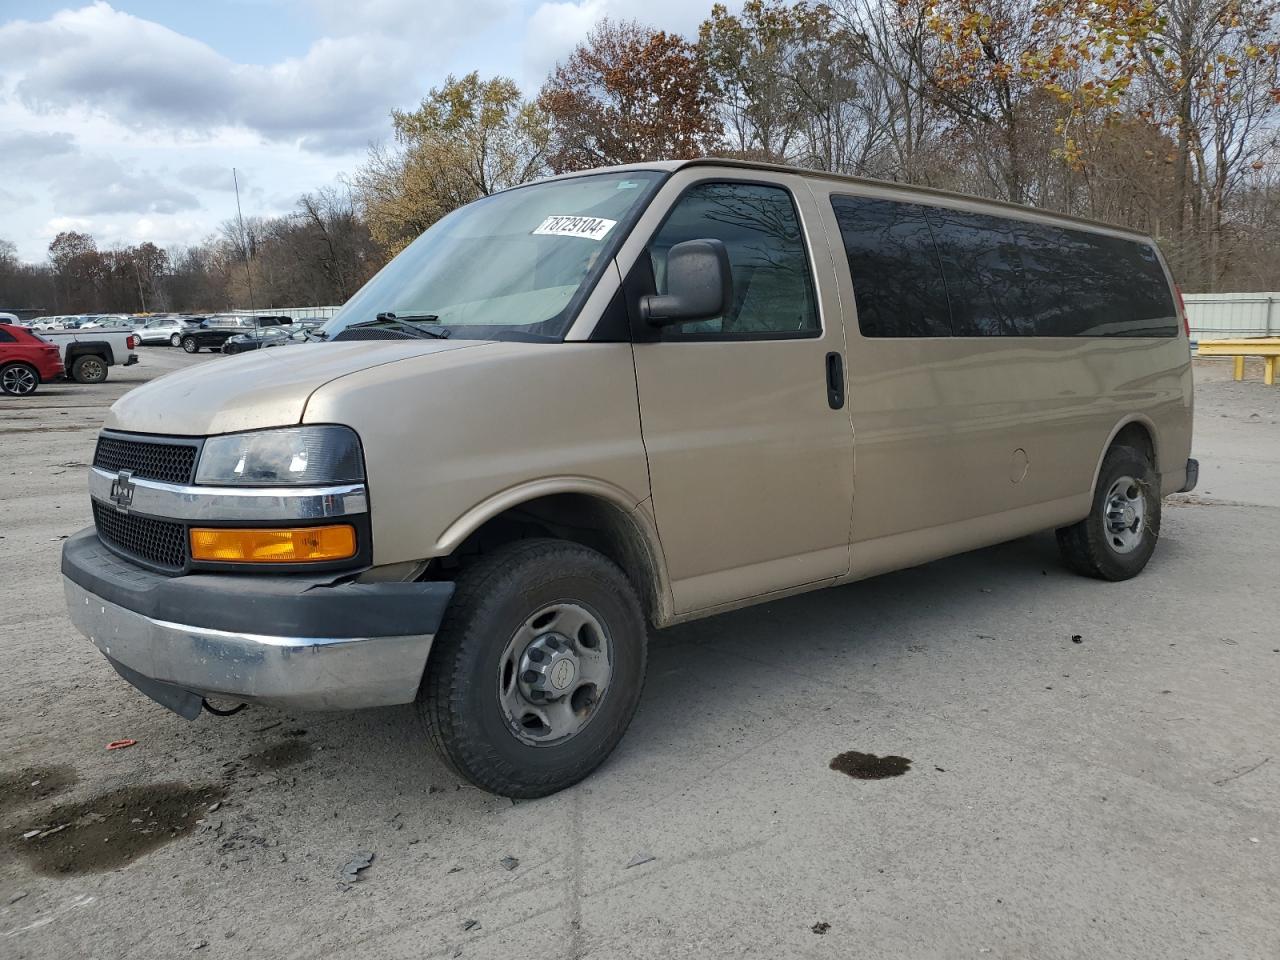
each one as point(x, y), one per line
point(1268, 348)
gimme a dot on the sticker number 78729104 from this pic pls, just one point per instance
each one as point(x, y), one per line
point(592, 228)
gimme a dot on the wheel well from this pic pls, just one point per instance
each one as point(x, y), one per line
point(577, 517)
point(93, 349)
point(1137, 435)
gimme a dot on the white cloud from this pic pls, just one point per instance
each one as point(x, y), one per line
point(127, 128)
point(146, 76)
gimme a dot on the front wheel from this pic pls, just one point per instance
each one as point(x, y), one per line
point(189, 344)
point(1118, 537)
point(537, 669)
point(19, 379)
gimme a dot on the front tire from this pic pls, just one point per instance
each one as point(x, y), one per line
point(1118, 537)
point(537, 669)
point(189, 344)
point(89, 369)
point(19, 379)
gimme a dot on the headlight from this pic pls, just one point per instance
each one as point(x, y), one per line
point(310, 456)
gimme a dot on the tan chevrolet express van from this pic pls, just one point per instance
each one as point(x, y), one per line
point(631, 396)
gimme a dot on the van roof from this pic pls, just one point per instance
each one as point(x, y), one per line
point(670, 166)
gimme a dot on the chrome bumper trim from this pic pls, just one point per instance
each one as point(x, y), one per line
point(179, 502)
point(304, 672)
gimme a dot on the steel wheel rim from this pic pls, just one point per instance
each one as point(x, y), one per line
point(554, 673)
point(1125, 514)
point(19, 381)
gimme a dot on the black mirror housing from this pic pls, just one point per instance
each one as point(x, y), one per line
point(699, 285)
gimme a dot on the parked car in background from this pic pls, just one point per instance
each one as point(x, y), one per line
point(8, 318)
point(165, 330)
point(26, 360)
point(88, 352)
point(280, 336)
point(212, 333)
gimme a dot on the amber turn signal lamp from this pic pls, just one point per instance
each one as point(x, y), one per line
point(299, 545)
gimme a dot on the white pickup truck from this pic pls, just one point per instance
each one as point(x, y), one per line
point(87, 354)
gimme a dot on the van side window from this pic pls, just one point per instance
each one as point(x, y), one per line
point(1082, 284)
point(984, 272)
point(1010, 277)
point(897, 279)
point(773, 294)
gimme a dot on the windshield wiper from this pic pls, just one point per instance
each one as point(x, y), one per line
point(408, 324)
point(414, 322)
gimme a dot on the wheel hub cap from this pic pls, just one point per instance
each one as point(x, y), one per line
point(548, 667)
point(1126, 512)
point(554, 673)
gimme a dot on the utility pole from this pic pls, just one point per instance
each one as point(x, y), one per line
point(142, 297)
point(244, 240)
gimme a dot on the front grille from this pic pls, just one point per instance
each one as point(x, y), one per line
point(161, 543)
point(166, 462)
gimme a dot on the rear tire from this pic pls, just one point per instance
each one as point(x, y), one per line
point(19, 379)
point(175, 340)
point(1118, 537)
point(89, 369)
point(189, 344)
point(479, 698)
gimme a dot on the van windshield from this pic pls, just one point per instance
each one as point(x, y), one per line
point(515, 266)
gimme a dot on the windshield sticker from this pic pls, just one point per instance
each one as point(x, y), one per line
point(593, 228)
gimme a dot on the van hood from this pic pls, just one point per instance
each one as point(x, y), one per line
point(266, 388)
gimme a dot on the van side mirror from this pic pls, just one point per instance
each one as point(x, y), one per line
point(699, 285)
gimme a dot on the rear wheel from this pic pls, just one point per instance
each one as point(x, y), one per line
point(19, 379)
point(175, 340)
point(1118, 537)
point(189, 344)
point(537, 669)
point(89, 369)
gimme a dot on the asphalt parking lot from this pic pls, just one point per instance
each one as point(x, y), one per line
point(1094, 768)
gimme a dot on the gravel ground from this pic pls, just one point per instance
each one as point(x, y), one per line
point(1111, 797)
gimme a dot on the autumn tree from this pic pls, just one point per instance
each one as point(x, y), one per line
point(467, 139)
point(751, 58)
point(1210, 79)
point(78, 269)
point(628, 94)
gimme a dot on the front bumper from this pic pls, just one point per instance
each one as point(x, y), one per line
point(308, 642)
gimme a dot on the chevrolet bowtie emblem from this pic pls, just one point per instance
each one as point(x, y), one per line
point(122, 490)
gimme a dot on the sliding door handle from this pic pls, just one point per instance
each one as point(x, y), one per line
point(835, 381)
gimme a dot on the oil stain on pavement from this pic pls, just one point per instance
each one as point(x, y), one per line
point(279, 755)
point(21, 788)
point(867, 766)
point(109, 830)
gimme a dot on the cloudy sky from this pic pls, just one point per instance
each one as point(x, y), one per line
point(124, 119)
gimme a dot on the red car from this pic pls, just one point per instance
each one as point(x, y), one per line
point(26, 360)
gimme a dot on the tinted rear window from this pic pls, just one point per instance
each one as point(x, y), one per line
point(897, 279)
point(994, 276)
